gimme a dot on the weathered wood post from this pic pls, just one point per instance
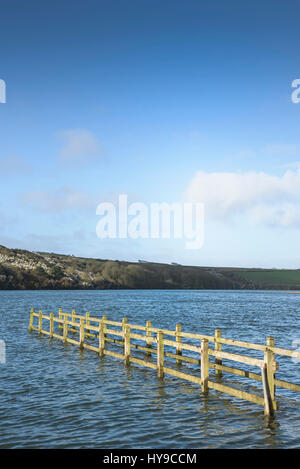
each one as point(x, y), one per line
point(218, 348)
point(104, 318)
point(268, 407)
point(51, 325)
point(81, 335)
point(101, 338)
point(124, 322)
point(148, 334)
point(40, 321)
point(269, 359)
point(204, 365)
point(127, 344)
point(178, 340)
point(73, 320)
point(160, 354)
point(65, 334)
point(87, 322)
point(31, 320)
point(60, 326)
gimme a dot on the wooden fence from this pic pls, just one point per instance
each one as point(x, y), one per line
point(96, 333)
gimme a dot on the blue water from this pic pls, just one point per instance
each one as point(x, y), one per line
point(56, 396)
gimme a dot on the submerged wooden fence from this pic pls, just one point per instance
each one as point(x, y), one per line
point(101, 331)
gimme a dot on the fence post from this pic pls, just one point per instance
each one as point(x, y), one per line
point(160, 354)
point(268, 407)
point(51, 325)
point(270, 364)
point(31, 319)
point(40, 321)
point(127, 344)
point(81, 337)
point(218, 348)
point(178, 339)
point(87, 321)
point(101, 338)
point(60, 326)
point(104, 317)
point(204, 365)
point(148, 334)
point(73, 320)
point(65, 328)
point(124, 322)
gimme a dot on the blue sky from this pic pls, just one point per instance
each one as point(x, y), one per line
point(165, 101)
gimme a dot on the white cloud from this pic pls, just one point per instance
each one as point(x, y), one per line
point(263, 198)
point(80, 147)
point(62, 199)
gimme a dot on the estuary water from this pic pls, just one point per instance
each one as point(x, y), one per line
point(56, 396)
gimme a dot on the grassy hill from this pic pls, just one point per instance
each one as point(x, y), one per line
point(272, 277)
point(20, 269)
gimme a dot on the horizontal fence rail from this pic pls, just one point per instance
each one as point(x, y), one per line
point(97, 334)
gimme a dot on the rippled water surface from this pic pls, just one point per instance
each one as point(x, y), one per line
point(55, 396)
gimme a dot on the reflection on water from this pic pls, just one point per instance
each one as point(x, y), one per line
point(57, 396)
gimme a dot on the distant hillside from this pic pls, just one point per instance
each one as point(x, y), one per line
point(21, 270)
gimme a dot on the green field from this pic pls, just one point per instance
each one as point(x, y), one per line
point(271, 277)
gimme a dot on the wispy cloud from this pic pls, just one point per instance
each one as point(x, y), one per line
point(80, 147)
point(65, 198)
point(287, 149)
point(68, 198)
point(263, 198)
point(13, 165)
